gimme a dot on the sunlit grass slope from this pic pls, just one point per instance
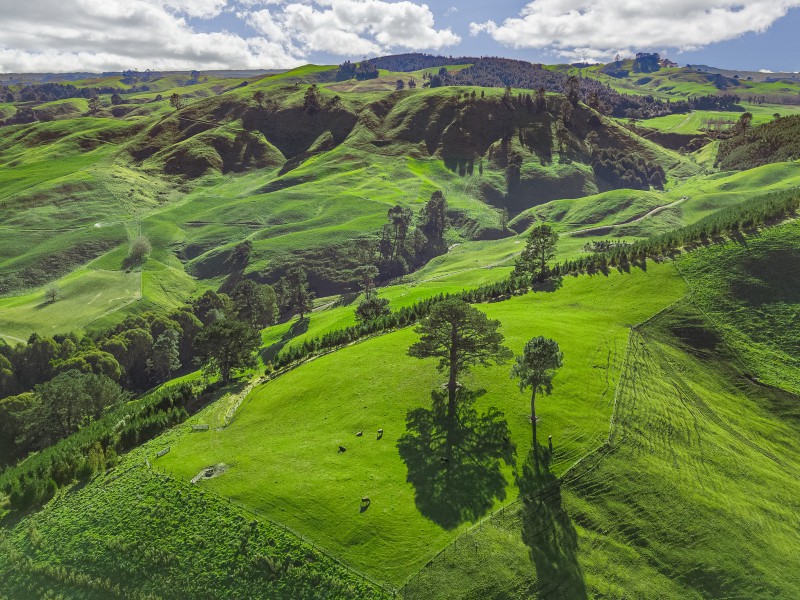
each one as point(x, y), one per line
point(138, 534)
point(696, 494)
point(282, 445)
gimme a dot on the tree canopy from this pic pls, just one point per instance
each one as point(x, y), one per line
point(539, 249)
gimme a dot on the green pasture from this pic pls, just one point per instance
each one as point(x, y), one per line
point(282, 444)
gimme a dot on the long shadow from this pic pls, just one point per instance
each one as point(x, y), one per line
point(299, 327)
point(454, 466)
point(548, 532)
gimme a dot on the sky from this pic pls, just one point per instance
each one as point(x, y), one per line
point(112, 35)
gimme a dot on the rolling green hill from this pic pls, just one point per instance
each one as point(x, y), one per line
point(673, 469)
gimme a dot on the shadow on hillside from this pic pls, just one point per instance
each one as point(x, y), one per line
point(455, 467)
point(551, 284)
point(548, 532)
point(298, 328)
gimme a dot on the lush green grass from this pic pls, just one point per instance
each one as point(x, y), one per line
point(282, 445)
point(697, 121)
point(85, 295)
point(696, 496)
point(750, 290)
point(138, 534)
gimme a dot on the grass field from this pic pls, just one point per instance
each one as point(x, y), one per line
point(139, 534)
point(697, 121)
point(85, 296)
point(694, 497)
point(298, 478)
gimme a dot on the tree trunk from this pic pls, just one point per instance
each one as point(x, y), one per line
point(452, 390)
point(533, 427)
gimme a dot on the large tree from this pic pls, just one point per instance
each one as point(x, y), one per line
point(535, 369)
point(460, 336)
point(227, 345)
point(295, 297)
point(64, 402)
point(255, 303)
point(166, 355)
point(539, 249)
point(434, 219)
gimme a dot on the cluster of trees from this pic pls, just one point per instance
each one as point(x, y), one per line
point(773, 99)
point(55, 385)
point(416, 61)
point(451, 439)
point(407, 242)
point(623, 169)
point(752, 213)
point(719, 102)
point(776, 141)
point(48, 92)
point(133, 76)
point(95, 447)
point(361, 71)
point(502, 72)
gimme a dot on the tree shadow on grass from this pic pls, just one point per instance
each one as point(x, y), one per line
point(298, 328)
point(455, 467)
point(548, 532)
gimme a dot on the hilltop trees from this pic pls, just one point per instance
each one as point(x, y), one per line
point(535, 369)
point(539, 249)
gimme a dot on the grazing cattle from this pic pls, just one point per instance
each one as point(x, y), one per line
point(359, 434)
point(342, 449)
point(380, 433)
point(365, 500)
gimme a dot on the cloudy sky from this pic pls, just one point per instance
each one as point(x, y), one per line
point(105, 35)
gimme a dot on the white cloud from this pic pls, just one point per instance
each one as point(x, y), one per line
point(355, 27)
point(598, 29)
point(105, 35)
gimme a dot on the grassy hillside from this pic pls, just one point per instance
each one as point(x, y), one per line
point(771, 142)
point(674, 467)
point(694, 496)
point(139, 534)
point(307, 413)
point(347, 154)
